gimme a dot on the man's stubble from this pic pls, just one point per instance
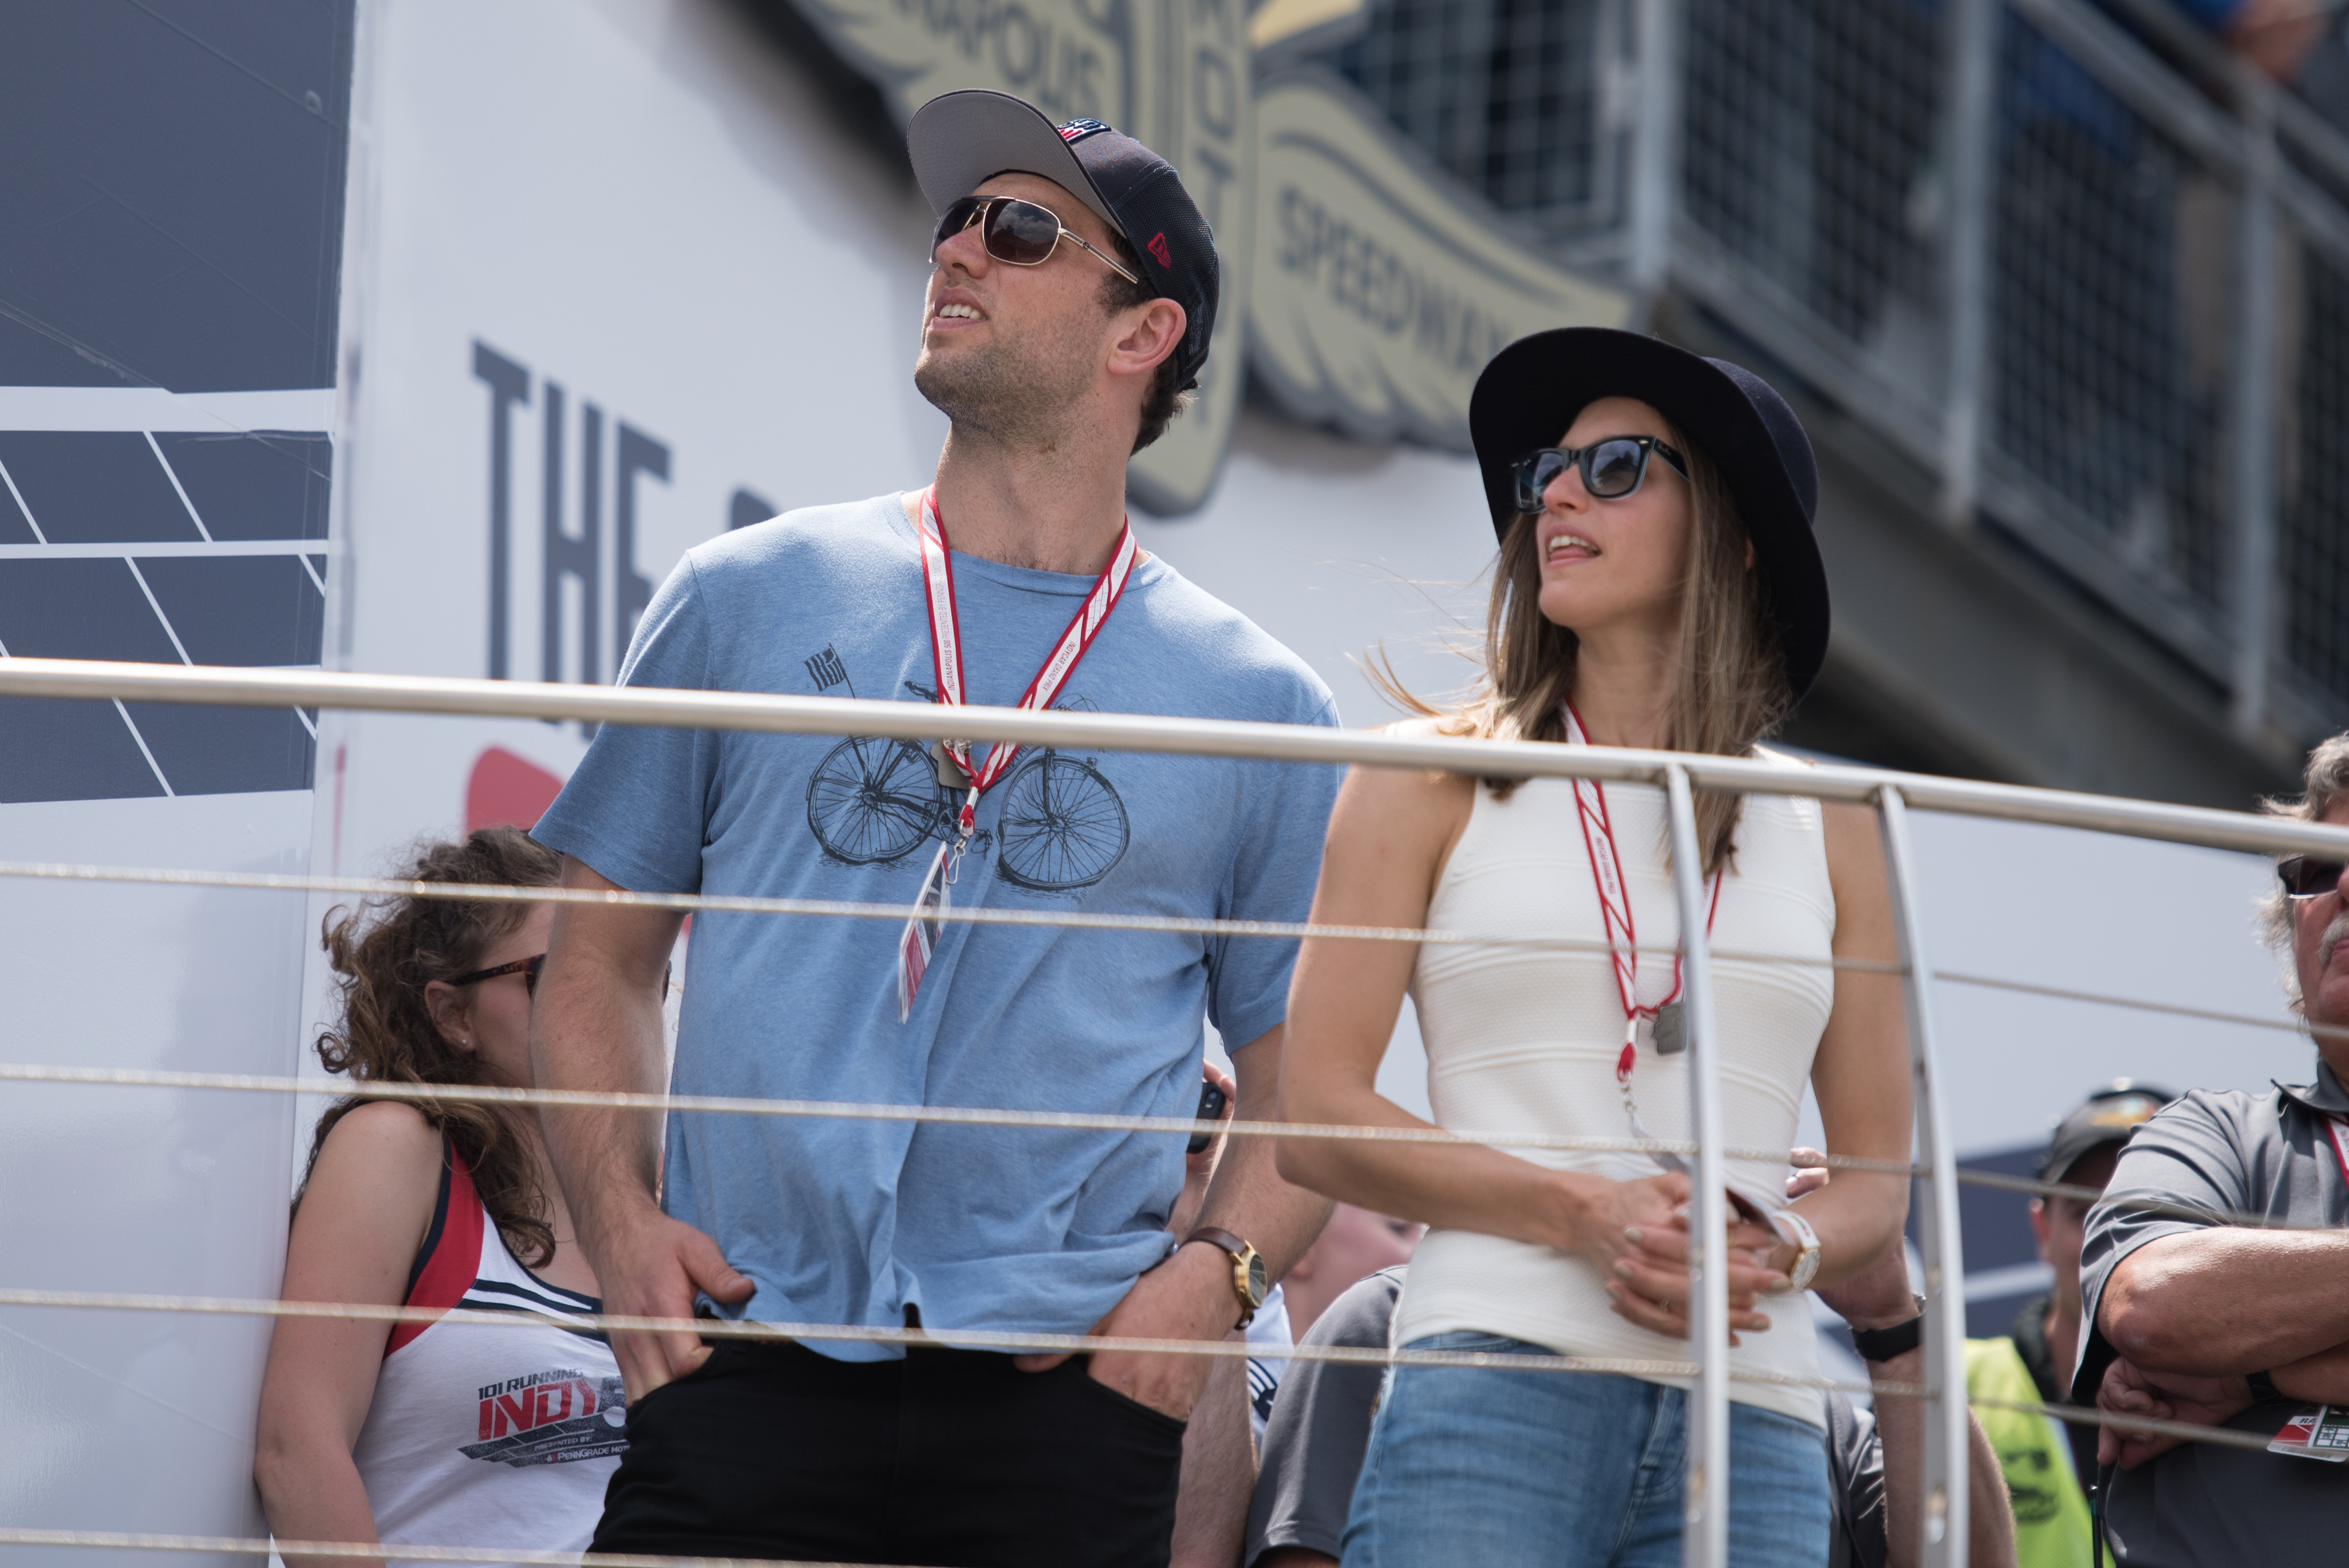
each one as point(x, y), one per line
point(1020, 392)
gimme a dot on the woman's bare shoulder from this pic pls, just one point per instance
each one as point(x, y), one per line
point(382, 1150)
point(1415, 786)
point(1429, 727)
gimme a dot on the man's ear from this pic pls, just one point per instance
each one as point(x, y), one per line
point(2039, 1227)
point(1151, 332)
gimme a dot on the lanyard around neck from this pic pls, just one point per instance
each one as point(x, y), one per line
point(1615, 904)
point(945, 644)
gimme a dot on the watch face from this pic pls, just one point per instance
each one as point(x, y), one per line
point(1259, 1280)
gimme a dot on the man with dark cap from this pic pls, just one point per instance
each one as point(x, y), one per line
point(1071, 302)
point(2051, 1465)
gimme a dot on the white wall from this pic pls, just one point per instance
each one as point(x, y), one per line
point(124, 1420)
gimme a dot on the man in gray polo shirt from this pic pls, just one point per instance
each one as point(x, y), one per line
point(2204, 1321)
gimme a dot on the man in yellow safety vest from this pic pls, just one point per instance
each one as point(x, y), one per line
point(2050, 1465)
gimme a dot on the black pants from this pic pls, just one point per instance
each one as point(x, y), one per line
point(948, 1457)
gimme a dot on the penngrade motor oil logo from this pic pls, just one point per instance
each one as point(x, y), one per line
point(551, 1418)
point(1367, 287)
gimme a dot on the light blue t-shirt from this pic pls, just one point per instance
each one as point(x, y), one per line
point(1012, 1227)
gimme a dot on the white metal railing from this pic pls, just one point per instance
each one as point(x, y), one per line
point(1944, 1521)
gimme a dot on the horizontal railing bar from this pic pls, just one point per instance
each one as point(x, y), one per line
point(1088, 920)
point(130, 1541)
point(789, 715)
point(850, 1110)
point(1008, 1340)
point(1088, 1121)
point(489, 1556)
point(2137, 1003)
point(856, 909)
point(752, 1330)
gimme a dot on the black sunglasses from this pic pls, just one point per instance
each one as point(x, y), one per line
point(1020, 232)
point(1611, 468)
point(2304, 877)
point(528, 969)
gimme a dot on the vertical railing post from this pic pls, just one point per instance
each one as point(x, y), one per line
point(1655, 150)
point(1970, 134)
point(1944, 1516)
point(1704, 1526)
point(2253, 447)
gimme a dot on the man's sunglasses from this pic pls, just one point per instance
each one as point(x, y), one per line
point(528, 969)
point(2304, 877)
point(1611, 468)
point(1020, 232)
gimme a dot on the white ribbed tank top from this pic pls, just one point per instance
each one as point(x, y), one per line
point(1524, 1039)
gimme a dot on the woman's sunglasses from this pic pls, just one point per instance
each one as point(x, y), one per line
point(1611, 468)
point(2303, 877)
point(1020, 232)
point(528, 969)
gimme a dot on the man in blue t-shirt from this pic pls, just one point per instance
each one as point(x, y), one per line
point(1070, 305)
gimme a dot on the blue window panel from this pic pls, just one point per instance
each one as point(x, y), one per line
point(90, 608)
point(95, 487)
point(239, 609)
point(205, 750)
point(269, 486)
point(174, 192)
point(54, 749)
point(14, 528)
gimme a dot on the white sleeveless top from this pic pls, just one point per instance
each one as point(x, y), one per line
point(482, 1435)
point(1524, 1039)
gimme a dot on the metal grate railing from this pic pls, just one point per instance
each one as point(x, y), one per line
point(2071, 256)
point(1807, 157)
point(1514, 98)
point(2115, 302)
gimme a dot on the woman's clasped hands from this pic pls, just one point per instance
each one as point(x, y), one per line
point(1636, 1234)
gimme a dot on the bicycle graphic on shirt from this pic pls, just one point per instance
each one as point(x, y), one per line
point(875, 801)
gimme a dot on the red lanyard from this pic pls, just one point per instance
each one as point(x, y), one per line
point(945, 645)
point(1615, 907)
point(922, 931)
point(2340, 1131)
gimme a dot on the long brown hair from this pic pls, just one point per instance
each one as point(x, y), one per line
point(384, 954)
point(1729, 682)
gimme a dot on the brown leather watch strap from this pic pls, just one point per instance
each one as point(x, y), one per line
point(1248, 1268)
point(1223, 1239)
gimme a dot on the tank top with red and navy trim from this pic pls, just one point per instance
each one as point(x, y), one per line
point(489, 1435)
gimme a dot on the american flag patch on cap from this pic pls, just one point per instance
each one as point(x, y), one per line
point(1078, 129)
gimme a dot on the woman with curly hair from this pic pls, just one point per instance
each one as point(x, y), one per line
point(437, 1433)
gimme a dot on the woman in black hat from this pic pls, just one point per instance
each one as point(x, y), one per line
point(1658, 587)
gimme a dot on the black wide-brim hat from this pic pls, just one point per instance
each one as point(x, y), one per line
point(1534, 389)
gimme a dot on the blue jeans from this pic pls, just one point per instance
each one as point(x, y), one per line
point(1502, 1468)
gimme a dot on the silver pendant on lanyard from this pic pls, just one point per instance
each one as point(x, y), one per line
point(1670, 1030)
